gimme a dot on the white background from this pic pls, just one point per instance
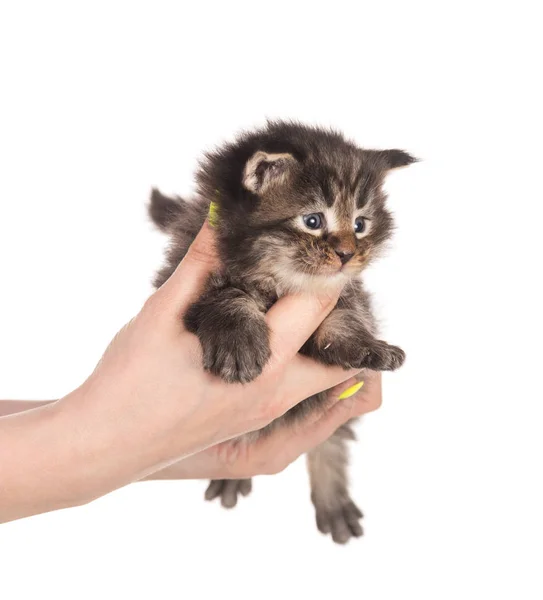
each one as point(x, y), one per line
point(100, 101)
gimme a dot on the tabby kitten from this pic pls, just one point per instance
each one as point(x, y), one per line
point(299, 208)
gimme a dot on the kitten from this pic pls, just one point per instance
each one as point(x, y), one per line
point(299, 207)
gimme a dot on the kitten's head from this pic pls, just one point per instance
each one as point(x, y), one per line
point(299, 206)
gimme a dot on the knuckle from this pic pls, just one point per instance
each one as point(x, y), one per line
point(377, 395)
point(153, 304)
point(274, 467)
point(269, 409)
point(276, 362)
point(201, 253)
point(266, 415)
point(231, 455)
point(324, 301)
point(374, 401)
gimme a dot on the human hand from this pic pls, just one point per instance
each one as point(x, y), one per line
point(149, 402)
point(241, 459)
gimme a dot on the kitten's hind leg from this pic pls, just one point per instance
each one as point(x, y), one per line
point(336, 513)
point(228, 490)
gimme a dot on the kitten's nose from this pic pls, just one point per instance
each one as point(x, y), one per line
point(344, 256)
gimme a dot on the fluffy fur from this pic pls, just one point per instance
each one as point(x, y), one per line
point(299, 207)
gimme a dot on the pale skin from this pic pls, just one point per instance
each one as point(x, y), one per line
point(150, 411)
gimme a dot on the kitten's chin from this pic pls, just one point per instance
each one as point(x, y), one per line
point(352, 272)
point(289, 282)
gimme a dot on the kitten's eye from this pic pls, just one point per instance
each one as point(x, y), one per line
point(359, 225)
point(313, 221)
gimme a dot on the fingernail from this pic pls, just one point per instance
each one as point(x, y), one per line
point(213, 216)
point(351, 391)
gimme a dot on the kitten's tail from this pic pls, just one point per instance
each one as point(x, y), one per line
point(165, 211)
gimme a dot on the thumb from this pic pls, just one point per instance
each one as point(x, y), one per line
point(187, 281)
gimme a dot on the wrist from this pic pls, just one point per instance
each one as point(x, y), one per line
point(202, 465)
point(38, 476)
point(105, 448)
point(113, 440)
point(10, 407)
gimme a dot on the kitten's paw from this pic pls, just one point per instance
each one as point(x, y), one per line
point(341, 520)
point(228, 490)
point(354, 354)
point(237, 356)
point(381, 356)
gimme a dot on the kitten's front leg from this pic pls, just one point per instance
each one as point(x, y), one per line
point(233, 334)
point(344, 339)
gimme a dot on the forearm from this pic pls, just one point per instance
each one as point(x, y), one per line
point(38, 460)
point(199, 466)
point(203, 465)
point(27, 495)
point(67, 453)
point(10, 407)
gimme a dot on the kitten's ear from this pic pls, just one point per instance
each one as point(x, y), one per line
point(264, 171)
point(391, 159)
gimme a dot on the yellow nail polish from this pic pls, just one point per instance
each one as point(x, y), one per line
point(351, 391)
point(213, 216)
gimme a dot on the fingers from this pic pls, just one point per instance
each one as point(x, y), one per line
point(292, 442)
point(339, 413)
point(344, 390)
point(286, 444)
point(292, 320)
point(303, 377)
point(370, 397)
point(187, 281)
point(318, 432)
point(350, 399)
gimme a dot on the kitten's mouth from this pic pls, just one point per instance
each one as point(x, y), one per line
point(349, 269)
point(356, 264)
point(338, 271)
